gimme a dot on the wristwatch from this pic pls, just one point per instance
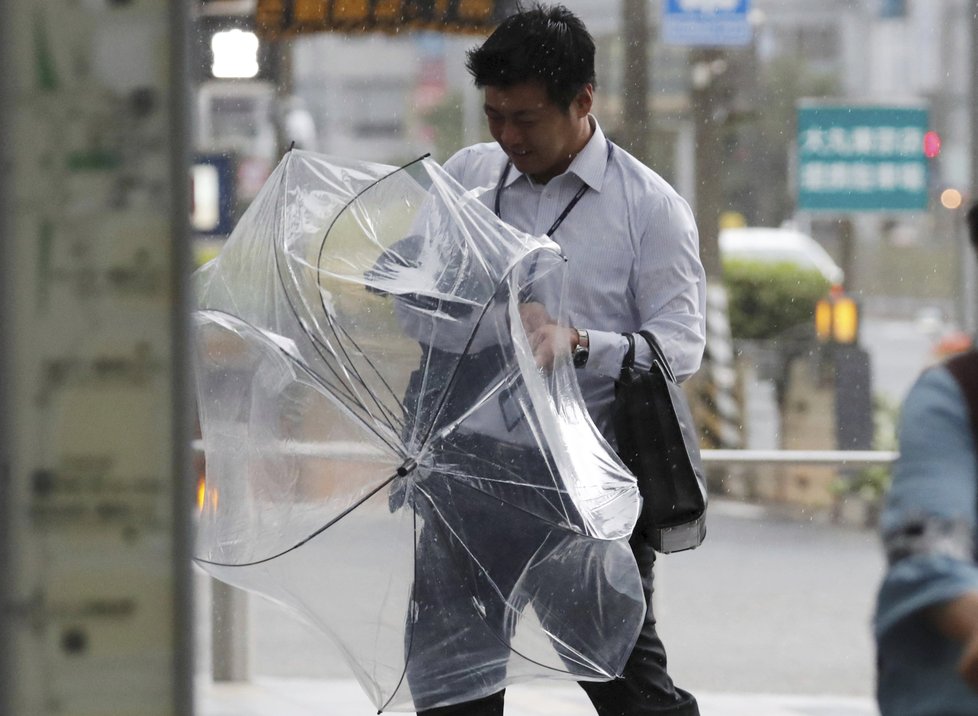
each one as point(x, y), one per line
point(582, 350)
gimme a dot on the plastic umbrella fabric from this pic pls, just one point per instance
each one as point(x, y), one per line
point(384, 457)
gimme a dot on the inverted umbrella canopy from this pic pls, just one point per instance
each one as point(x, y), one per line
point(385, 458)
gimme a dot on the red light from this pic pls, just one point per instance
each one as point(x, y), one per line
point(932, 144)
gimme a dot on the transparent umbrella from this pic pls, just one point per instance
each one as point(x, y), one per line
point(385, 458)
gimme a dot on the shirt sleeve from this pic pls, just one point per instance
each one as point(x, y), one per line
point(670, 293)
point(669, 285)
point(928, 522)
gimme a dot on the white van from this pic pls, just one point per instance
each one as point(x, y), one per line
point(754, 243)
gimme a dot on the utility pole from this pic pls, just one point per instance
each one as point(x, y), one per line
point(636, 131)
point(719, 413)
point(709, 109)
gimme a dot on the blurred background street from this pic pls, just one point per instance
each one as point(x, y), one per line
point(833, 143)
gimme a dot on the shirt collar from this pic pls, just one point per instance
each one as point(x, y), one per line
point(589, 164)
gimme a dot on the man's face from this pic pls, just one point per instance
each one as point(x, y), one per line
point(539, 137)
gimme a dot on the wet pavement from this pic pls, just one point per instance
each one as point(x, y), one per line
point(265, 696)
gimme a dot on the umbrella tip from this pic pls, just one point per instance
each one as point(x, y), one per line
point(406, 468)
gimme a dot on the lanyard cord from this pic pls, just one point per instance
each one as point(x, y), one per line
point(567, 209)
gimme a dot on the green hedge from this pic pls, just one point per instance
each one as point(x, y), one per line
point(766, 299)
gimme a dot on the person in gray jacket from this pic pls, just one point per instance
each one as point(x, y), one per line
point(926, 622)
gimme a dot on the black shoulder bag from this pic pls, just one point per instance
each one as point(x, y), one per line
point(657, 441)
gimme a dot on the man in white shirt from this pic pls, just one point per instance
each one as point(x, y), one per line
point(632, 262)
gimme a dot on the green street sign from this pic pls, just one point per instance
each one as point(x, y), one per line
point(862, 158)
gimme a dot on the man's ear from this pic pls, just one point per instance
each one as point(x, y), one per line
point(581, 106)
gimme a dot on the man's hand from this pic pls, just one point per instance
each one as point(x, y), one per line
point(547, 339)
point(958, 619)
point(551, 340)
point(534, 316)
point(968, 664)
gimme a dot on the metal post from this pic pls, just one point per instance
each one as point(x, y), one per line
point(6, 332)
point(635, 133)
point(183, 483)
point(709, 108)
point(847, 246)
point(230, 633)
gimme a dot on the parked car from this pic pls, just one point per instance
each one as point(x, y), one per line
point(772, 245)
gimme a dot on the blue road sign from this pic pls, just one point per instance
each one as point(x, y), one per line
point(862, 158)
point(706, 22)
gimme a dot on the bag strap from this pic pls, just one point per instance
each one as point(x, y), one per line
point(658, 355)
point(629, 360)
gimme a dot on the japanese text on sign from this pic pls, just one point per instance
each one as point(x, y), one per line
point(862, 177)
point(873, 141)
point(862, 158)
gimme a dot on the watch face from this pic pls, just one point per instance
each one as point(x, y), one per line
point(580, 356)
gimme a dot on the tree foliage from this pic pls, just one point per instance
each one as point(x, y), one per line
point(766, 299)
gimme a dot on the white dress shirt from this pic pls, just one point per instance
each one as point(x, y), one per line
point(632, 254)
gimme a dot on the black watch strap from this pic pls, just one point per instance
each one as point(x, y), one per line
point(583, 350)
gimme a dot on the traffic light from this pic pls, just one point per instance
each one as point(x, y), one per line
point(837, 319)
point(932, 151)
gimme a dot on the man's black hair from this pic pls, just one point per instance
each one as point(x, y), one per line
point(546, 43)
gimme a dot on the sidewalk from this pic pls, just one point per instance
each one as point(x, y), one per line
point(343, 697)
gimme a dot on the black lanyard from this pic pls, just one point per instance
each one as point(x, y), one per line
point(567, 209)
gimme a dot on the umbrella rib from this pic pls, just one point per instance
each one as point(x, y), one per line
point(449, 385)
point(318, 346)
point(524, 510)
point(312, 536)
point(489, 627)
point(393, 420)
point(323, 351)
point(393, 423)
point(329, 320)
point(465, 350)
point(451, 381)
point(295, 314)
point(410, 646)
